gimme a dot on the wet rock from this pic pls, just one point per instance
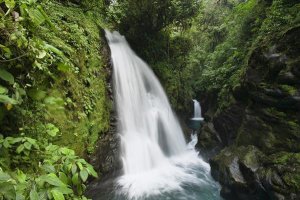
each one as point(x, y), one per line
point(228, 122)
point(288, 78)
point(106, 159)
point(209, 141)
point(260, 130)
point(235, 168)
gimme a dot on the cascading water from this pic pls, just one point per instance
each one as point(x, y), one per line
point(157, 162)
point(197, 110)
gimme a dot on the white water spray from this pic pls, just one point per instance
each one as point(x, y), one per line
point(197, 110)
point(155, 156)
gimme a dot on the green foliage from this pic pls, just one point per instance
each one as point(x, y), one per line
point(144, 22)
point(224, 36)
point(57, 173)
point(51, 52)
point(50, 59)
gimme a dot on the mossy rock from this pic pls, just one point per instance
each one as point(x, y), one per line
point(235, 168)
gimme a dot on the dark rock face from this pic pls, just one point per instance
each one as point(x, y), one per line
point(106, 159)
point(260, 129)
point(243, 174)
point(228, 122)
point(236, 170)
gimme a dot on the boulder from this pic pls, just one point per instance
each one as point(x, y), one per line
point(236, 170)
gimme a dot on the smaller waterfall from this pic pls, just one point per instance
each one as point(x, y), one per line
point(197, 111)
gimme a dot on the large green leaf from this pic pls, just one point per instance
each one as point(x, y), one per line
point(48, 168)
point(64, 190)
point(63, 177)
point(52, 179)
point(27, 145)
point(20, 148)
point(6, 99)
point(75, 179)
point(74, 168)
point(57, 195)
point(5, 75)
point(33, 195)
point(3, 90)
point(91, 171)
point(84, 175)
point(10, 3)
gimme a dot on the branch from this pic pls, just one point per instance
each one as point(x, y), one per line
point(14, 58)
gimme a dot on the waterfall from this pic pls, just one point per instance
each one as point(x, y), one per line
point(197, 110)
point(156, 158)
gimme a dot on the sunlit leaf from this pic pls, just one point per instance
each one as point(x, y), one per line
point(20, 148)
point(52, 179)
point(84, 175)
point(57, 195)
point(33, 195)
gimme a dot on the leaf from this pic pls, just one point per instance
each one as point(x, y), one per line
point(57, 195)
point(67, 151)
point(16, 140)
point(63, 67)
point(4, 177)
point(79, 165)
point(27, 145)
point(33, 195)
point(3, 90)
point(63, 177)
point(42, 54)
point(6, 143)
point(74, 168)
point(54, 50)
point(7, 51)
point(19, 195)
point(36, 16)
point(75, 179)
point(8, 191)
point(84, 175)
point(52, 179)
point(5, 75)
point(30, 140)
point(6, 99)
point(48, 168)
point(52, 130)
point(10, 4)
point(20, 148)
point(64, 190)
point(21, 177)
point(91, 171)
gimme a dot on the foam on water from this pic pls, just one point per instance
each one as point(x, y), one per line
point(156, 158)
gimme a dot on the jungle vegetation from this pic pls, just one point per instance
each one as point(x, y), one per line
point(54, 74)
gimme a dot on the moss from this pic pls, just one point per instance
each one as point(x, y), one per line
point(274, 112)
point(88, 113)
point(68, 90)
point(288, 164)
point(289, 89)
point(255, 131)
